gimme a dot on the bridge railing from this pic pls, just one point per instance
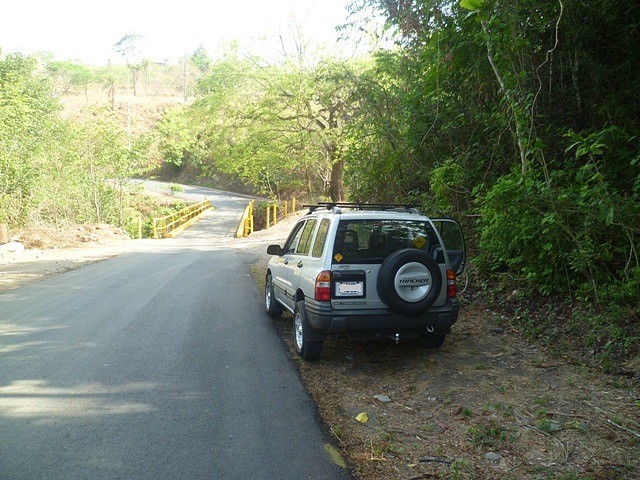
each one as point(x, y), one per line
point(272, 210)
point(166, 227)
point(246, 222)
point(284, 206)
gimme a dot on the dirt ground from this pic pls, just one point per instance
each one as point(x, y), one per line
point(486, 405)
point(33, 254)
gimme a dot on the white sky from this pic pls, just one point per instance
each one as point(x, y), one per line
point(85, 30)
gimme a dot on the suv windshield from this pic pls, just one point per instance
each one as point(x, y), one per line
point(371, 241)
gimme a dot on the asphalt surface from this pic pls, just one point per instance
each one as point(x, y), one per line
point(155, 364)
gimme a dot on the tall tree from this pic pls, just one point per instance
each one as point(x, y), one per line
point(128, 47)
point(201, 59)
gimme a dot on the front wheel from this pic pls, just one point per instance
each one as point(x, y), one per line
point(271, 305)
point(306, 349)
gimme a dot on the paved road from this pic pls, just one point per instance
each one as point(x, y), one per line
point(229, 206)
point(156, 364)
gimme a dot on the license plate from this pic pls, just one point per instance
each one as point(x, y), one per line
point(349, 289)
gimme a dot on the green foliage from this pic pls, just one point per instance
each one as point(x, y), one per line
point(53, 171)
point(178, 137)
point(544, 425)
point(576, 233)
point(447, 184)
point(277, 128)
point(201, 59)
point(175, 188)
point(128, 46)
point(28, 125)
point(528, 119)
point(473, 5)
point(609, 334)
point(489, 434)
point(67, 76)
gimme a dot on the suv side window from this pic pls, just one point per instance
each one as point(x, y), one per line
point(294, 239)
point(321, 238)
point(305, 239)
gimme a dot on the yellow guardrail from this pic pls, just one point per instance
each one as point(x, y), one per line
point(271, 210)
point(166, 227)
point(246, 222)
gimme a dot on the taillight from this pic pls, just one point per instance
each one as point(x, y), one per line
point(323, 286)
point(452, 288)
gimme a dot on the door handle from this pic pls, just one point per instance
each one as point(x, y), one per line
point(300, 264)
point(286, 262)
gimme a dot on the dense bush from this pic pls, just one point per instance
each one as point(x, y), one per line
point(528, 120)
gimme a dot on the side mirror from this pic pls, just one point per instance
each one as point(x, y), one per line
point(274, 250)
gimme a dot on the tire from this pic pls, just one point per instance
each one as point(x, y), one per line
point(271, 305)
point(306, 349)
point(432, 340)
point(409, 281)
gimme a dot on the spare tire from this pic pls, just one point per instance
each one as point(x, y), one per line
point(409, 281)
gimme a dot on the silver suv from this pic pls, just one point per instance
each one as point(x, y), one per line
point(367, 271)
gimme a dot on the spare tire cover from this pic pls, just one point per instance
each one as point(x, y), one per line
point(409, 281)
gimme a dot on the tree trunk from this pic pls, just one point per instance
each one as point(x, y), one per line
point(516, 110)
point(336, 188)
point(96, 203)
point(112, 95)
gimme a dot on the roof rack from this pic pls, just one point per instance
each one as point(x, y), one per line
point(336, 206)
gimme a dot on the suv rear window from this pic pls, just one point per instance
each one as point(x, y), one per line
point(371, 241)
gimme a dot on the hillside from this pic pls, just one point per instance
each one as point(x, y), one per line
point(145, 110)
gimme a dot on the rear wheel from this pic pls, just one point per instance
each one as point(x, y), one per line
point(271, 305)
point(307, 349)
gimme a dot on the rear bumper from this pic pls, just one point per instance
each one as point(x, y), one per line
point(325, 320)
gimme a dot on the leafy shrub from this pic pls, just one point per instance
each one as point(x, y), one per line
point(573, 233)
point(446, 184)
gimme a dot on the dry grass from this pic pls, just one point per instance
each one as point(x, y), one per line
point(142, 111)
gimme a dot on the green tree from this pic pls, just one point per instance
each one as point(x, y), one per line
point(107, 158)
point(200, 58)
point(29, 124)
point(67, 75)
point(111, 77)
point(279, 128)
